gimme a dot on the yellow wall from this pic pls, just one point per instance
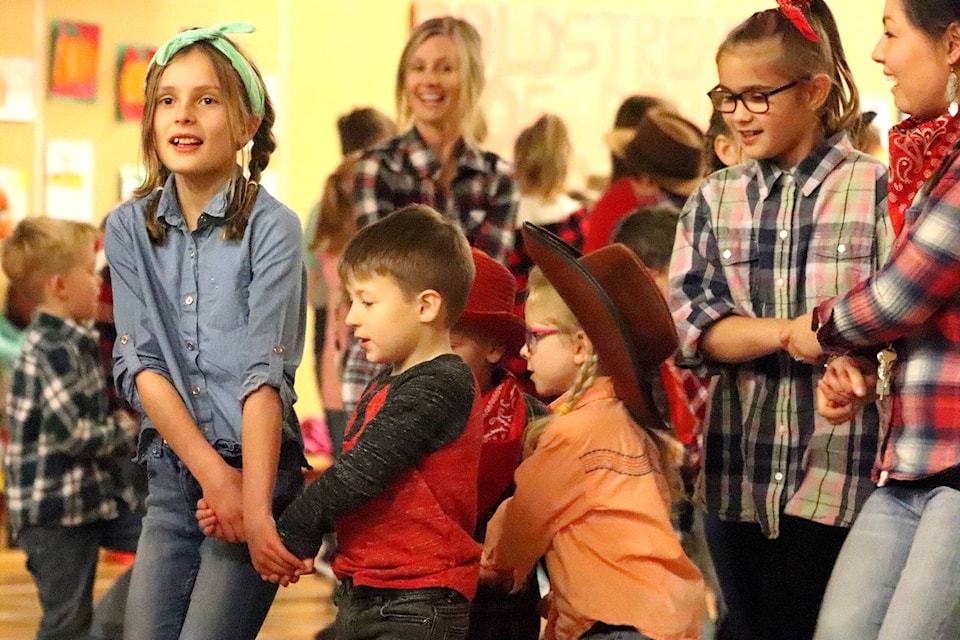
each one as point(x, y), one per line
point(320, 59)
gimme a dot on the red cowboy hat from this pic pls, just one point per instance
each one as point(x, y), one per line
point(620, 308)
point(490, 304)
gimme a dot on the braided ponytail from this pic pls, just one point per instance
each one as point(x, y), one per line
point(244, 194)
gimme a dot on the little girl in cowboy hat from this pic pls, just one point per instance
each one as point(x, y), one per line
point(594, 494)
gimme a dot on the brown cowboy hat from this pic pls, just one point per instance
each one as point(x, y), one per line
point(665, 146)
point(489, 307)
point(620, 308)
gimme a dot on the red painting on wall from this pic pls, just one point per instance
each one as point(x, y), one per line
point(132, 63)
point(75, 47)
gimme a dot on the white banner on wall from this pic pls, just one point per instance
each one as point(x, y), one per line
point(16, 90)
point(581, 64)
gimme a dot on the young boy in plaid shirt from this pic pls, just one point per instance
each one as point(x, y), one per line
point(60, 466)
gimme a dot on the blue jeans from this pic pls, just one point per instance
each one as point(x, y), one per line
point(365, 613)
point(898, 575)
point(63, 563)
point(184, 584)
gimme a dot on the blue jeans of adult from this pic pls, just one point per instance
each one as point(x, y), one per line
point(898, 575)
point(63, 564)
point(433, 613)
point(184, 584)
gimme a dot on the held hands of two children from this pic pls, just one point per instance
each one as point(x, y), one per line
point(268, 555)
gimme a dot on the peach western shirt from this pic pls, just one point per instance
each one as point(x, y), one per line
point(592, 499)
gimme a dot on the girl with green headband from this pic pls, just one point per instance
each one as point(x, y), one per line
point(209, 302)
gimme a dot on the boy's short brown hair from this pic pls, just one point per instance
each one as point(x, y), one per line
point(418, 248)
point(41, 247)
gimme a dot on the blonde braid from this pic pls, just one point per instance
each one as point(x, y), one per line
point(585, 377)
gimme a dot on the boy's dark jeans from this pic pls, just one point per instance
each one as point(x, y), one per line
point(366, 613)
point(63, 563)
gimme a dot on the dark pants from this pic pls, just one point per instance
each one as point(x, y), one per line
point(603, 631)
point(772, 587)
point(63, 563)
point(365, 613)
point(497, 615)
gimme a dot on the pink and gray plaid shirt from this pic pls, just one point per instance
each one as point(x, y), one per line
point(914, 302)
point(483, 198)
point(760, 242)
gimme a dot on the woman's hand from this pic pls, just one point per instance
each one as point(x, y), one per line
point(843, 390)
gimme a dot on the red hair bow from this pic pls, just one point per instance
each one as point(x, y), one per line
point(793, 11)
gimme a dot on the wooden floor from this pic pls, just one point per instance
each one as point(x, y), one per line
point(298, 612)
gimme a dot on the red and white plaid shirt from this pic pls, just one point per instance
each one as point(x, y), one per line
point(914, 302)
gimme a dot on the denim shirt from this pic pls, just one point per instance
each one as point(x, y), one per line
point(217, 318)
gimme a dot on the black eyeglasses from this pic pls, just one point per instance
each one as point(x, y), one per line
point(754, 100)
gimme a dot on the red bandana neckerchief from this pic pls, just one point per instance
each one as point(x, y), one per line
point(504, 419)
point(916, 151)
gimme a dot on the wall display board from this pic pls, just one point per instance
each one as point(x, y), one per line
point(581, 64)
point(16, 90)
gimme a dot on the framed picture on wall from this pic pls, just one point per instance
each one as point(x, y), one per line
point(74, 50)
point(132, 63)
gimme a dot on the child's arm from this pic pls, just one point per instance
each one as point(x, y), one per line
point(735, 339)
point(262, 414)
point(549, 495)
point(48, 372)
point(421, 415)
point(219, 481)
point(272, 344)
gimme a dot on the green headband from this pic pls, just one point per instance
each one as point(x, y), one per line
point(214, 35)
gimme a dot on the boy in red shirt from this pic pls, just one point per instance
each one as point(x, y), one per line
point(403, 496)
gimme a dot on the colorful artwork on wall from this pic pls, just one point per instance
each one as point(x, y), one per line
point(75, 48)
point(132, 63)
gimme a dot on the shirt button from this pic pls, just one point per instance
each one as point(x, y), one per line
point(188, 299)
point(842, 248)
point(784, 233)
point(124, 339)
point(196, 391)
point(727, 254)
point(278, 348)
point(778, 476)
point(779, 282)
point(191, 346)
point(193, 253)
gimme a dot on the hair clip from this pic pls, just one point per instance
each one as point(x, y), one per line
point(792, 10)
